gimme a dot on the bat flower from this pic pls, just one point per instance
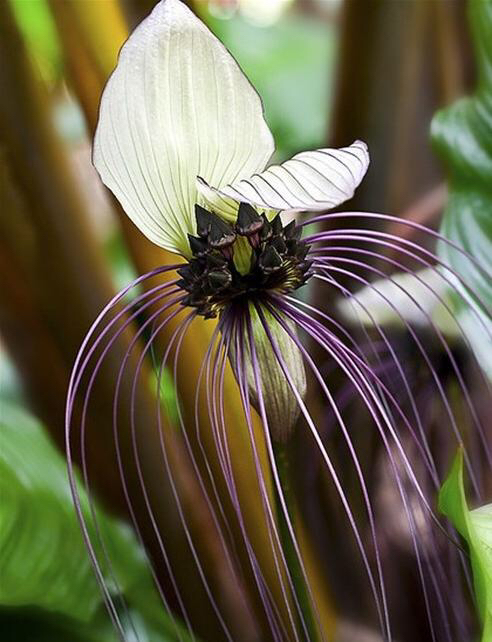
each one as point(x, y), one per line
point(183, 144)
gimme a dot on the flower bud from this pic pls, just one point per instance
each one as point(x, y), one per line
point(281, 405)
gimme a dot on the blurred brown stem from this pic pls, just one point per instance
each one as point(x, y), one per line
point(393, 74)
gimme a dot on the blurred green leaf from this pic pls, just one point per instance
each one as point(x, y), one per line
point(43, 559)
point(35, 625)
point(122, 268)
point(463, 136)
point(10, 384)
point(27, 624)
point(37, 25)
point(290, 64)
point(476, 528)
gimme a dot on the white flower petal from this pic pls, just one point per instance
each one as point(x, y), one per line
point(315, 180)
point(423, 298)
point(214, 201)
point(477, 328)
point(409, 297)
point(176, 107)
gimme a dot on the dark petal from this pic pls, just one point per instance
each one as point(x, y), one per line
point(216, 260)
point(203, 221)
point(305, 266)
point(301, 251)
point(197, 298)
point(270, 260)
point(186, 272)
point(277, 225)
point(198, 246)
point(228, 252)
point(219, 280)
point(254, 241)
point(221, 234)
point(279, 244)
point(249, 222)
point(266, 230)
point(292, 231)
point(198, 266)
point(184, 285)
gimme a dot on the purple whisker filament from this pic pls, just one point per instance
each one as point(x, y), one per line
point(379, 409)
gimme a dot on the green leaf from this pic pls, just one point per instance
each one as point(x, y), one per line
point(37, 26)
point(36, 625)
point(462, 135)
point(44, 564)
point(42, 557)
point(475, 527)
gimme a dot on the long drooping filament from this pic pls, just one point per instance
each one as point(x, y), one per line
point(375, 375)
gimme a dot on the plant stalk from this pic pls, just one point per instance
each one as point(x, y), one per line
point(281, 455)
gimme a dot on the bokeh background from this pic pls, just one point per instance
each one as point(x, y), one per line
point(329, 71)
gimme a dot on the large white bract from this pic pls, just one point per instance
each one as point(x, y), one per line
point(180, 123)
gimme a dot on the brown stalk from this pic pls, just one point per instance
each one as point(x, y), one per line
point(386, 92)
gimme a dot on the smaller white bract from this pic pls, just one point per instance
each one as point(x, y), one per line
point(180, 124)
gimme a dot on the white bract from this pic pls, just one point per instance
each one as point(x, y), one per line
point(180, 123)
point(419, 298)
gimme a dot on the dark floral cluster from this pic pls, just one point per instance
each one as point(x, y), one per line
point(276, 260)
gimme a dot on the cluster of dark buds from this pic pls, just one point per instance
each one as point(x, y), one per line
point(248, 259)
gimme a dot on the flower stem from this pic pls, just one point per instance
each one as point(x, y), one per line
point(280, 451)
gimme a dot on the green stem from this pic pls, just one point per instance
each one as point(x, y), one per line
point(292, 560)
